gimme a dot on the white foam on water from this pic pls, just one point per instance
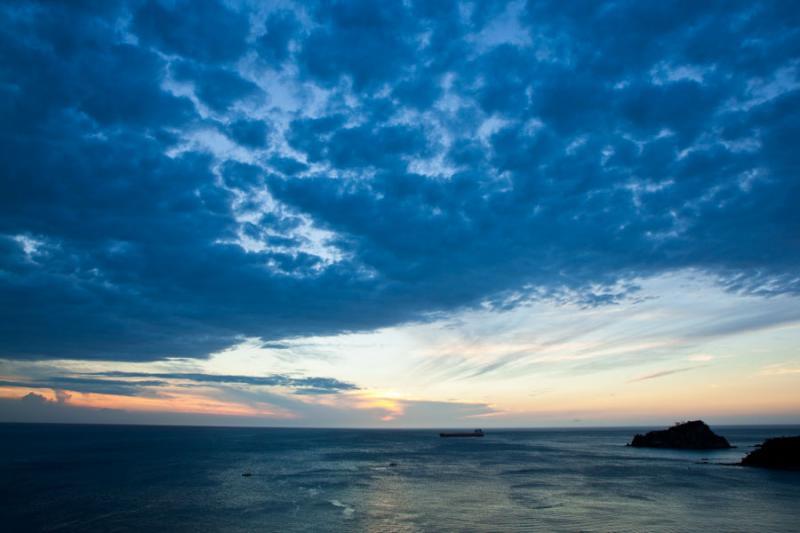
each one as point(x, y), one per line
point(347, 511)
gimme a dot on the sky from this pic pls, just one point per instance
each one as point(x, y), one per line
point(399, 214)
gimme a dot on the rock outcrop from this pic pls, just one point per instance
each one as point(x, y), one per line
point(781, 452)
point(694, 435)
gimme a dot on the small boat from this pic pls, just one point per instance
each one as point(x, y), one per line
point(476, 433)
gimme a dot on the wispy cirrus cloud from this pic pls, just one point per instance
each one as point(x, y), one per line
point(663, 373)
point(780, 369)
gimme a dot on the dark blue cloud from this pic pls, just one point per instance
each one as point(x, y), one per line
point(358, 146)
point(143, 383)
point(368, 42)
point(287, 165)
point(315, 384)
point(409, 159)
point(217, 87)
point(80, 69)
point(250, 133)
point(89, 385)
point(279, 30)
point(204, 30)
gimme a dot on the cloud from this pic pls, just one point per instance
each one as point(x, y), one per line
point(147, 383)
point(336, 47)
point(89, 385)
point(429, 165)
point(280, 28)
point(37, 408)
point(663, 373)
point(250, 133)
point(218, 88)
point(33, 399)
point(293, 411)
point(315, 384)
point(780, 369)
point(206, 31)
point(700, 357)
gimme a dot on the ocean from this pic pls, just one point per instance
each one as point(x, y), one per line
point(132, 478)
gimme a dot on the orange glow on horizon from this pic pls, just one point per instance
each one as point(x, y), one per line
point(167, 402)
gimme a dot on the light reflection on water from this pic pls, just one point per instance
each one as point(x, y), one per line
point(84, 478)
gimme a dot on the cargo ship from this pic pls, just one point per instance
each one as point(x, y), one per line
point(476, 433)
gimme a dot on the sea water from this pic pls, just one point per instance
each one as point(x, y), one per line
point(128, 478)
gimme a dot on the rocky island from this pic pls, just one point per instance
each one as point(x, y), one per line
point(782, 453)
point(693, 435)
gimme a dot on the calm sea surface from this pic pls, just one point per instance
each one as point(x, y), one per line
point(106, 478)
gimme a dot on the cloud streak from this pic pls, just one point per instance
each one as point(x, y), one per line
point(275, 380)
point(130, 385)
point(664, 373)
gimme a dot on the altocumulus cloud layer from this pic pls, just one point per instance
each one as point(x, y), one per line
point(177, 176)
